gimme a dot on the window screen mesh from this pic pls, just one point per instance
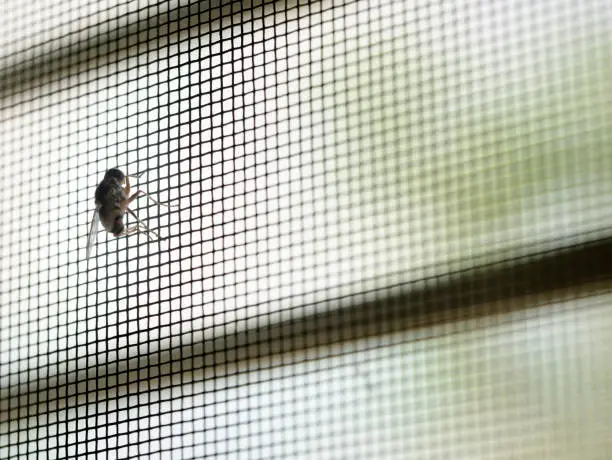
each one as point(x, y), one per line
point(391, 239)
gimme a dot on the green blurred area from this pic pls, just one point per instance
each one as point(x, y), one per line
point(471, 153)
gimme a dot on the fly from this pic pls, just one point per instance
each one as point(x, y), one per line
point(112, 200)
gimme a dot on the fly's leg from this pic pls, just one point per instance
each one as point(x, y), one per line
point(138, 175)
point(154, 200)
point(137, 228)
point(125, 203)
point(142, 225)
point(130, 230)
point(127, 185)
point(126, 180)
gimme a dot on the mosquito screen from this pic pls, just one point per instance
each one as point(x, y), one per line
point(388, 233)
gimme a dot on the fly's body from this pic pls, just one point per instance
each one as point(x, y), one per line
point(112, 199)
point(109, 196)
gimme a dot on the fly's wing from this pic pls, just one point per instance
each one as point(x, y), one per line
point(93, 232)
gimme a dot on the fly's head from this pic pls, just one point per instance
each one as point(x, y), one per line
point(116, 174)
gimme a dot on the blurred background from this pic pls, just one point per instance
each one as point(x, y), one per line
point(392, 238)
